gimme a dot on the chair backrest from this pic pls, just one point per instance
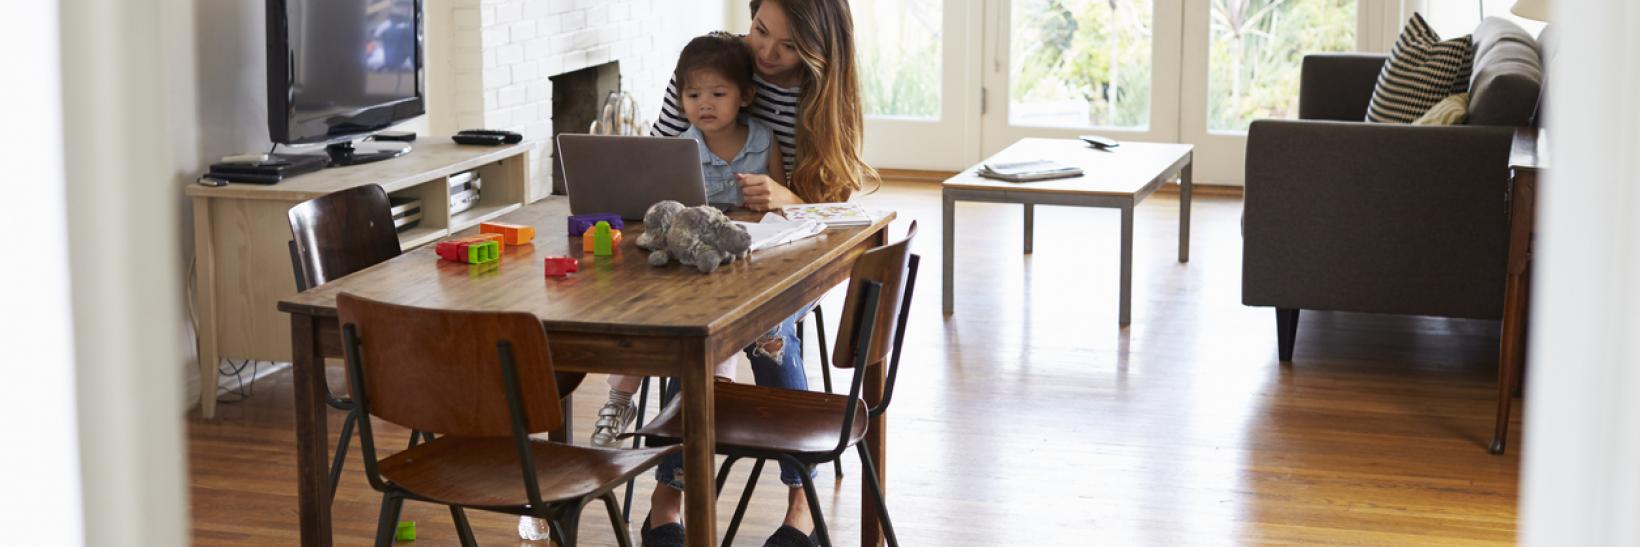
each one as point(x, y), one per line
point(341, 233)
point(886, 265)
point(441, 371)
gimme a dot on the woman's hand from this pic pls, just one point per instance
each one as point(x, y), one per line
point(762, 193)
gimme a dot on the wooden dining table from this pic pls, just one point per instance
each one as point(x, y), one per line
point(618, 314)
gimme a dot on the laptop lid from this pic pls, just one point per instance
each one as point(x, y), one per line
point(626, 174)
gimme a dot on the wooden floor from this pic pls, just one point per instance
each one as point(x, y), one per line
point(1029, 418)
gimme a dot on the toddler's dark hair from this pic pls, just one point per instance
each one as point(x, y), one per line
point(720, 52)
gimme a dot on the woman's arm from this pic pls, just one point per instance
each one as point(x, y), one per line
point(777, 164)
point(671, 122)
point(762, 193)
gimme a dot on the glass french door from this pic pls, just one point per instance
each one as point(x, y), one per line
point(1193, 71)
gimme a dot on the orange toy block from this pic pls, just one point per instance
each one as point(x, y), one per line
point(589, 241)
point(511, 234)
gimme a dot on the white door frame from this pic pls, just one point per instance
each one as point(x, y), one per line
point(949, 141)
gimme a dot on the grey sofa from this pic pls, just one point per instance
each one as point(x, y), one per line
point(1344, 215)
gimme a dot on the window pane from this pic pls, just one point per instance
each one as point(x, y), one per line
point(900, 56)
point(1080, 63)
point(1257, 46)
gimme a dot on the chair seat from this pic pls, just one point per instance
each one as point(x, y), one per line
point(765, 419)
point(484, 472)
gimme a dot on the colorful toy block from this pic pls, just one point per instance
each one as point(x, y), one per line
point(560, 266)
point(580, 224)
point(511, 234)
point(590, 240)
point(470, 250)
point(406, 531)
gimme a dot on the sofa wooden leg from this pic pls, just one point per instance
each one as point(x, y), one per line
point(1286, 332)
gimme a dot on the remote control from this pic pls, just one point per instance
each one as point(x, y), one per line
point(394, 136)
point(488, 140)
point(208, 180)
point(1100, 142)
point(245, 158)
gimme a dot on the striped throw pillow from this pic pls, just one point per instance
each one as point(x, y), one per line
point(1421, 71)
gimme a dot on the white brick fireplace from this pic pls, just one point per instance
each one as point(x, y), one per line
point(502, 53)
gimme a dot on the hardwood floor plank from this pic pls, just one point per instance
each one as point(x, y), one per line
point(1029, 418)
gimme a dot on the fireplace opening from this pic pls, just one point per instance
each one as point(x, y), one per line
point(577, 100)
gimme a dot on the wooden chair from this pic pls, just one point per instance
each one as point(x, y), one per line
point(484, 382)
point(335, 235)
point(815, 428)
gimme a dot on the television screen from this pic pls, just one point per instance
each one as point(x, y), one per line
point(342, 67)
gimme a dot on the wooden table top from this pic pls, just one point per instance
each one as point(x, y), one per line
point(430, 157)
point(1122, 171)
point(621, 294)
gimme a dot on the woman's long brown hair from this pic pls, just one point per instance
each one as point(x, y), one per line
point(830, 122)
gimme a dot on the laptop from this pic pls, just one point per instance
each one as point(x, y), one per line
point(624, 175)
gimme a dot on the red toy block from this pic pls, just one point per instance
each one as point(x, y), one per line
point(471, 250)
point(560, 266)
point(511, 234)
point(589, 241)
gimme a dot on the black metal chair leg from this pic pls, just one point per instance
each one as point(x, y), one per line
point(387, 522)
point(568, 522)
point(464, 529)
point(814, 501)
point(341, 451)
point(723, 474)
point(745, 500)
point(876, 490)
point(825, 366)
point(643, 401)
point(623, 538)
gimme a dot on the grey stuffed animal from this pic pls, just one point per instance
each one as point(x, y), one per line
point(698, 236)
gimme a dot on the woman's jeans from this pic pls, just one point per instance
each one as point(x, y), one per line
point(777, 361)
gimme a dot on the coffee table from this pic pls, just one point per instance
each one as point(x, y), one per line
point(1118, 178)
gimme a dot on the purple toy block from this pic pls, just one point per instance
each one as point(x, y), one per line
point(579, 224)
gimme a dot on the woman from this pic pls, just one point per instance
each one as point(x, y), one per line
point(809, 94)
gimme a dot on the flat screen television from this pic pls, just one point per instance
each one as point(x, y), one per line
point(339, 70)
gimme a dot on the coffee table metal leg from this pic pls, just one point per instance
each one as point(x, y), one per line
point(1124, 315)
point(949, 222)
point(1184, 213)
point(1030, 225)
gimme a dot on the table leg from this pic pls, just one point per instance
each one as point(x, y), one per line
point(1184, 212)
point(700, 514)
point(205, 297)
point(1124, 314)
point(1522, 207)
point(876, 440)
point(949, 217)
point(1030, 225)
point(312, 441)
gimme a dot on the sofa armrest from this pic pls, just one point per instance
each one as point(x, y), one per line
point(1376, 217)
point(1338, 86)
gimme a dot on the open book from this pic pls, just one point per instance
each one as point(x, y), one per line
point(830, 214)
point(775, 230)
point(1026, 171)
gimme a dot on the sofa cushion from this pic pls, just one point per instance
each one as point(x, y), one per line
point(1508, 75)
point(1421, 71)
point(1450, 111)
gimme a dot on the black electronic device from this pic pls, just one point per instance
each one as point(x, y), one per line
point(1102, 143)
point(276, 168)
point(394, 136)
point(489, 137)
point(339, 70)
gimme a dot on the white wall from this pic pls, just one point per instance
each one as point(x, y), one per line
point(42, 504)
point(124, 272)
point(1581, 484)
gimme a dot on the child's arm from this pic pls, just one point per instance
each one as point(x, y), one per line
point(777, 166)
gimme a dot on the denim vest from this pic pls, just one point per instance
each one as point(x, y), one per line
point(721, 185)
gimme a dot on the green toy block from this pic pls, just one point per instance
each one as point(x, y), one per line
point(479, 253)
point(602, 241)
point(406, 531)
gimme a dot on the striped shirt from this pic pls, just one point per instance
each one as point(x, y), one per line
point(776, 106)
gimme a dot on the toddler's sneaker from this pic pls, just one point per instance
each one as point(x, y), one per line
point(613, 419)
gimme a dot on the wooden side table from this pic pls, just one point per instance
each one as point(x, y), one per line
point(1526, 160)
